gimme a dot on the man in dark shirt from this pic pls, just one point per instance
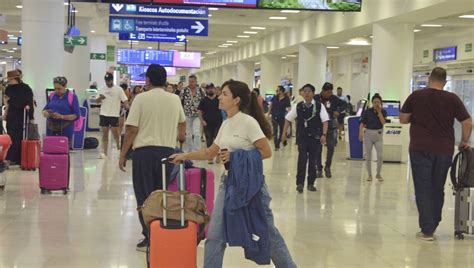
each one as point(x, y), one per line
point(278, 109)
point(211, 116)
point(431, 112)
point(334, 107)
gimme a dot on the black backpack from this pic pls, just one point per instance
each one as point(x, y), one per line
point(91, 143)
point(462, 169)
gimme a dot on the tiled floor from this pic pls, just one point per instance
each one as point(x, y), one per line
point(348, 222)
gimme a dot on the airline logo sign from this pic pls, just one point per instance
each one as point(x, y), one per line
point(168, 11)
point(170, 27)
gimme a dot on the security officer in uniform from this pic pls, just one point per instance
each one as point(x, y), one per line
point(334, 107)
point(312, 126)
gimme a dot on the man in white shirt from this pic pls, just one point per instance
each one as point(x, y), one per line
point(312, 126)
point(155, 120)
point(110, 98)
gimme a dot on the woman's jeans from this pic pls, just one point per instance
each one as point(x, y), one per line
point(215, 243)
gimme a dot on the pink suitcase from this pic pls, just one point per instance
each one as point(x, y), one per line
point(54, 172)
point(194, 184)
point(56, 145)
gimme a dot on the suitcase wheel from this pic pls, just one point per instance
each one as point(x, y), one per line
point(45, 191)
point(459, 235)
point(23, 168)
point(65, 191)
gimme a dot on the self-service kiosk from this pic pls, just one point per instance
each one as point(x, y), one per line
point(93, 110)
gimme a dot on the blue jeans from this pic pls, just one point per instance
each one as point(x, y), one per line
point(215, 243)
point(429, 176)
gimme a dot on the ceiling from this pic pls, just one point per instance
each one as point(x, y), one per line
point(225, 25)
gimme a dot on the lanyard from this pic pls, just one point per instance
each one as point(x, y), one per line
point(313, 113)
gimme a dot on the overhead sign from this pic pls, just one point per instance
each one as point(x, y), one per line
point(169, 11)
point(172, 27)
point(150, 37)
point(98, 56)
point(75, 40)
point(142, 56)
point(445, 54)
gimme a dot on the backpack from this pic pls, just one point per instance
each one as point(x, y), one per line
point(79, 122)
point(91, 143)
point(462, 169)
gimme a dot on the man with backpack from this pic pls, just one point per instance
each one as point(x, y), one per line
point(431, 112)
point(110, 98)
point(312, 126)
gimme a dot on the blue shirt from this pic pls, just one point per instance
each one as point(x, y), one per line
point(61, 106)
point(371, 120)
point(279, 107)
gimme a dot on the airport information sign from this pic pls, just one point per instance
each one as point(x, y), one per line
point(172, 27)
point(168, 11)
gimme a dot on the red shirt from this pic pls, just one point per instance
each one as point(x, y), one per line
point(432, 120)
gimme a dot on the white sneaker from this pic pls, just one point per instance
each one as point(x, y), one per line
point(102, 156)
point(379, 177)
point(369, 178)
point(425, 237)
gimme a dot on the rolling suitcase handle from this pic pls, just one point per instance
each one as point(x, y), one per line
point(25, 122)
point(181, 188)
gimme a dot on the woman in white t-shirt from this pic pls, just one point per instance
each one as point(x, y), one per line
point(245, 128)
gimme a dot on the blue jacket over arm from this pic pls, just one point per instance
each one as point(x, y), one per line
point(245, 222)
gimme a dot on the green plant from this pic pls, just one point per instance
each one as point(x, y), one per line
point(345, 6)
point(280, 4)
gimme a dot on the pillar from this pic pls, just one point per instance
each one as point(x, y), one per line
point(77, 65)
point(270, 73)
point(219, 73)
point(312, 60)
point(98, 44)
point(229, 72)
point(392, 60)
point(245, 73)
point(42, 52)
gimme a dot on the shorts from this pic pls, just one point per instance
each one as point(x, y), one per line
point(108, 121)
point(340, 119)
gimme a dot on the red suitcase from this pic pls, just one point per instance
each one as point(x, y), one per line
point(54, 172)
point(172, 245)
point(5, 143)
point(30, 149)
point(198, 181)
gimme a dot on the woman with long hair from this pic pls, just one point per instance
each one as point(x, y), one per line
point(246, 128)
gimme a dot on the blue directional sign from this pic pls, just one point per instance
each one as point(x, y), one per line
point(168, 11)
point(172, 27)
point(150, 37)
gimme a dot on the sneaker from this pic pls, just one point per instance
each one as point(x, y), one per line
point(299, 188)
point(311, 188)
point(327, 170)
point(425, 237)
point(102, 156)
point(319, 174)
point(379, 177)
point(142, 245)
point(210, 162)
point(369, 178)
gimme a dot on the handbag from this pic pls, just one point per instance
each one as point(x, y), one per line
point(33, 133)
point(195, 208)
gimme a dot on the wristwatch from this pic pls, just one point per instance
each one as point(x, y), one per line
point(324, 134)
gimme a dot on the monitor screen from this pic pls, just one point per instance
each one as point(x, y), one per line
point(187, 59)
point(340, 5)
point(130, 56)
point(162, 57)
point(269, 97)
point(445, 54)
point(138, 73)
point(391, 107)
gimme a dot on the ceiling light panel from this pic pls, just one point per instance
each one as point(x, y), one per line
point(432, 25)
point(278, 18)
point(258, 28)
point(467, 17)
point(290, 11)
point(249, 32)
point(243, 36)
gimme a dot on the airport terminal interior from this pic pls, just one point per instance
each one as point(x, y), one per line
point(365, 47)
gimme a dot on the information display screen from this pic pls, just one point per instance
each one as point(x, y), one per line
point(162, 57)
point(130, 56)
point(445, 54)
point(138, 73)
point(187, 59)
point(391, 107)
point(312, 5)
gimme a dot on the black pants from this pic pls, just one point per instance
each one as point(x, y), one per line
point(146, 174)
point(211, 133)
point(331, 142)
point(308, 154)
point(278, 124)
point(16, 134)
point(429, 176)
